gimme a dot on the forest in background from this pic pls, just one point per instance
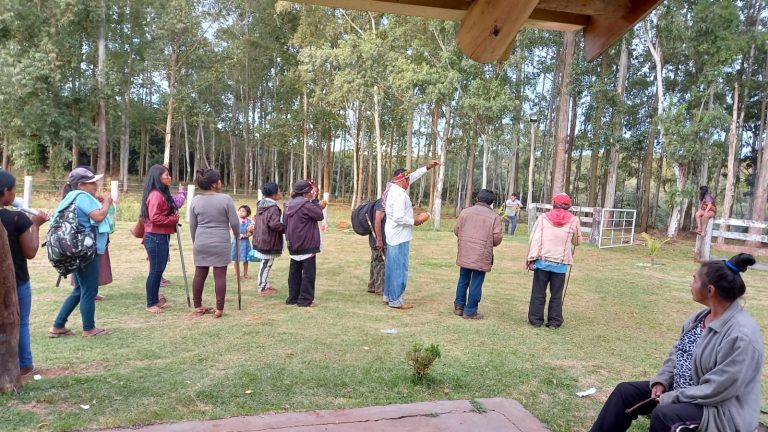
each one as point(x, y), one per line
point(273, 90)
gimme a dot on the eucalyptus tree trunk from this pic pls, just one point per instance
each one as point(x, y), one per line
point(486, 156)
point(647, 173)
point(571, 141)
point(328, 164)
point(730, 183)
point(409, 135)
point(356, 156)
point(610, 189)
point(101, 74)
point(172, 70)
point(377, 128)
point(470, 169)
point(558, 156)
point(125, 137)
point(306, 135)
point(760, 196)
point(433, 152)
point(187, 174)
point(10, 379)
point(445, 138)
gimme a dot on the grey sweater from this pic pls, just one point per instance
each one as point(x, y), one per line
point(726, 372)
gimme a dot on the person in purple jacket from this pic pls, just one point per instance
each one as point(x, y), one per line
point(302, 213)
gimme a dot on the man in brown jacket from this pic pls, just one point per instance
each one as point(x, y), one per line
point(479, 231)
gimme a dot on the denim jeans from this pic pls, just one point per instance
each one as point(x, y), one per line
point(157, 246)
point(396, 273)
point(510, 221)
point(24, 292)
point(472, 280)
point(84, 294)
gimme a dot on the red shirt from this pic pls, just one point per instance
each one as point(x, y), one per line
point(160, 220)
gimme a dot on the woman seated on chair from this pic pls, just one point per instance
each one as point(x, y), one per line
point(711, 380)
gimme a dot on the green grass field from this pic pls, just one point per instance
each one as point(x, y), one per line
point(621, 321)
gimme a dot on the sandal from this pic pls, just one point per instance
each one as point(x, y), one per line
point(96, 332)
point(54, 332)
point(155, 309)
point(218, 313)
point(202, 310)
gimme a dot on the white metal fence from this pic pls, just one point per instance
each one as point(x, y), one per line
point(617, 228)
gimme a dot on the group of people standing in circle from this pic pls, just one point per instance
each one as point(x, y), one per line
point(711, 380)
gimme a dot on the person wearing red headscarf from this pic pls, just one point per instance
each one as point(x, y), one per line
point(550, 252)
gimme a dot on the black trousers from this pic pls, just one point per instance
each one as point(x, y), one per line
point(556, 282)
point(301, 282)
point(664, 418)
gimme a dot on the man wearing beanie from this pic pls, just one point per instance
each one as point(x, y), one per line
point(302, 213)
point(398, 232)
point(549, 255)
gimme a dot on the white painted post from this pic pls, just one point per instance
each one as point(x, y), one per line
point(705, 250)
point(260, 196)
point(27, 191)
point(114, 186)
point(326, 197)
point(190, 194)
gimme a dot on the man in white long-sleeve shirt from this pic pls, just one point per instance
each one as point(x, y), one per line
point(399, 231)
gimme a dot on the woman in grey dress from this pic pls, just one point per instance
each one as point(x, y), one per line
point(212, 218)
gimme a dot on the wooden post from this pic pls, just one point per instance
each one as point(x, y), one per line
point(530, 210)
point(701, 252)
point(190, 194)
point(27, 191)
point(597, 221)
point(9, 320)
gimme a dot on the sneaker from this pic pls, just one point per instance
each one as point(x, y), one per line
point(474, 316)
point(553, 326)
point(27, 371)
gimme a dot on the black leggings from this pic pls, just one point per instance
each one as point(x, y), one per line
point(219, 281)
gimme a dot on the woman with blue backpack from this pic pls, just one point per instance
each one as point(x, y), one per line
point(80, 200)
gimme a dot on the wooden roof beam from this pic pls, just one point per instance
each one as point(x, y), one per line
point(604, 30)
point(449, 10)
point(490, 27)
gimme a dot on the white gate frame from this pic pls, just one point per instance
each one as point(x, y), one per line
point(606, 221)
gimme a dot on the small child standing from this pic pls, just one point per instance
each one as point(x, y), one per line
point(244, 212)
point(268, 234)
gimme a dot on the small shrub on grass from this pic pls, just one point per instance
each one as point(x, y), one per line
point(653, 246)
point(421, 358)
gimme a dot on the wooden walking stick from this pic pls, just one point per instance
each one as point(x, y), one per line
point(568, 278)
point(183, 265)
point(237, 272)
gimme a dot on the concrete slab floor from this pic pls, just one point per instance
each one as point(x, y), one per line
point(487, 415)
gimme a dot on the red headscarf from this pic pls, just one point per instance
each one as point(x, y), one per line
point(560, 216)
